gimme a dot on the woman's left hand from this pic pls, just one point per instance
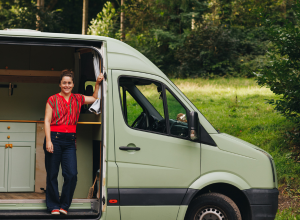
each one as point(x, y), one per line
point(92, 99)
point(99, 78)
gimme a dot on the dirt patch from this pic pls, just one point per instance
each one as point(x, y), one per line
point(287, 199)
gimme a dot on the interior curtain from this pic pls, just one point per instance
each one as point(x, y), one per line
point(95, 108)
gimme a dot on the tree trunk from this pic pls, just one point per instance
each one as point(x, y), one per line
point(283, 5)
point(40, 6)
point(85, 16)
point(122, 21)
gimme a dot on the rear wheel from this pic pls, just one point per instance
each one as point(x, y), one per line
point(213, 206)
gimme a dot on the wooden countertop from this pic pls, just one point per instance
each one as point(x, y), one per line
point(32, 121)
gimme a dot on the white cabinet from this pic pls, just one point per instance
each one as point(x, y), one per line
point(3, 167)
point(17, 157)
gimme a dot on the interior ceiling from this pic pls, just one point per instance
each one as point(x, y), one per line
point(41, 64)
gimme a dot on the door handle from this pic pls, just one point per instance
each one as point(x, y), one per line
point(129, 148)
point(8, 146)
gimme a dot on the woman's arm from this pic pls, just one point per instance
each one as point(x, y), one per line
point(92, 99)
point(48, 117)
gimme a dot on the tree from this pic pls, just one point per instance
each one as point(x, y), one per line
point(26, 14)
point(283, 73)
point(198, 38)
point(56, 16)
point(105, 24)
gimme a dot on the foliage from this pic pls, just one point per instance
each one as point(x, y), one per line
point(288, 214)
point(208, 49)
point(206, 38)
point(282, 74)
point(160, 27)
point(104, 23)
point(217, 50)
point(56, 16)
point(25, 14)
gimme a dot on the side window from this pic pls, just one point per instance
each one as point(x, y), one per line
point(143, 104)
point(134, 110)
point(154, 95)
point(177, 116)
point(146, 103)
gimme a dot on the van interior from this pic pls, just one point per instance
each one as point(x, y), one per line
point(29, 75)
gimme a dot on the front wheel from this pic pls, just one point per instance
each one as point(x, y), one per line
point(213, 206)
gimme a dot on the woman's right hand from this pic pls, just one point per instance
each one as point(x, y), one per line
point(49, 147)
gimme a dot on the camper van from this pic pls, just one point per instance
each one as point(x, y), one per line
point(149, 154)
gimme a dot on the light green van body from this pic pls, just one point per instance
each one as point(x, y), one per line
point(232, 161)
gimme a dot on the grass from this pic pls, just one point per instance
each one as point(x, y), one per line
point(288, 214)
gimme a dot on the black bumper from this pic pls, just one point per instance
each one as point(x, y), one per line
point(263, 203)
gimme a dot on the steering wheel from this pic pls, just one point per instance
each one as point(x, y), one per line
point(138, 122)
point(160, 126)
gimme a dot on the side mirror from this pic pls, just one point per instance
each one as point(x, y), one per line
point(194, 126)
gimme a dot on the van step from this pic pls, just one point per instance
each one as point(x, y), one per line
point(40, 204)
point(42, 200)
point(31, 214)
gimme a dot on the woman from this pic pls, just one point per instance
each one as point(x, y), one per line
point(61, 116)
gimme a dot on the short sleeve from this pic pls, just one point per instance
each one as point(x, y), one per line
point(51, 102)
point(80, 99)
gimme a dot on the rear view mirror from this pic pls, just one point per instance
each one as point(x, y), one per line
point(194, 126)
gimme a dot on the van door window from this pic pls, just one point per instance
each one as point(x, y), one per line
point(134, 110)
point(144, 107)
point(128, 102)
point(177, 116)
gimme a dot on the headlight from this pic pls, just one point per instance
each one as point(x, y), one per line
point(271, 162)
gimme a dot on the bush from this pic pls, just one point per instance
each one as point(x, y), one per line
point(105, 22)
point(222, 51)
point(208, 49)
point(282, 75)
point(180, 39)
point(25, 14)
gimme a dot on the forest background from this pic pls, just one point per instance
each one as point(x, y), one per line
point(204, 40)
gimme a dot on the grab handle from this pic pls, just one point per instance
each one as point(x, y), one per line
point(129, 148)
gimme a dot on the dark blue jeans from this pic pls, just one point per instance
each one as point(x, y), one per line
point(64, 154)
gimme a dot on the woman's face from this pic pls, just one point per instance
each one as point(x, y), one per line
point(66, 85)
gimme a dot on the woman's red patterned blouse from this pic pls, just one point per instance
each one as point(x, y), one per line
point(65, 114)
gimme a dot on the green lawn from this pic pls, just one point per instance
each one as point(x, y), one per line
point(288, 214)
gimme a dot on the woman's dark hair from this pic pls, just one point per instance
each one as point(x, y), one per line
point(68, 73)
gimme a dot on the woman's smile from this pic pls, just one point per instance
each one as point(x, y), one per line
point(66, 84)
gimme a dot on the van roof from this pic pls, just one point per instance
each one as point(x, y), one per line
point(120, 55)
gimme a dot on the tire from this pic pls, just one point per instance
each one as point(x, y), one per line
point(213, 206)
